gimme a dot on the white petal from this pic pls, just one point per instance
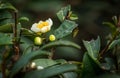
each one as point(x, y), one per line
point(44, 29)
point(40, 67)
point(50, 22)
point(34, 28)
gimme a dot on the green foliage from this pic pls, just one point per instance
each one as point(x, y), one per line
point(23, 61)
point(91, 68)
point(23, 19)
point(65, 29)
point(5, 39)
point(63, 13)
point(93, 48)
point(60, 43)
point(114, 43)
point(20, 57)
point(24, 52)
point(7, 28)
point(7, 6)
point(51, 71)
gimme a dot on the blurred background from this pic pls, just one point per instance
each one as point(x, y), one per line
point(91, 13)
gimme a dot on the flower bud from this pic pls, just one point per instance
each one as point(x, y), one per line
point(33, 65)
point(37, 41)
point(52, 38)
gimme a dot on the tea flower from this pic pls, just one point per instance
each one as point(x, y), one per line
point(38, 41)
point(52, 37)
point(42, 26)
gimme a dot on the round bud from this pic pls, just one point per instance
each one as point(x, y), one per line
point(37, 41)
point(52, 38)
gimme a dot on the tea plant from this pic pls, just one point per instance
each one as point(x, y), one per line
point(28, 53)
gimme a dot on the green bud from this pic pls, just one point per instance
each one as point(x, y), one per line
point(38, 41)
point(52, 38)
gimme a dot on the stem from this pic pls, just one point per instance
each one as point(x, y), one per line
point(16, 43)
point(52, 54)
point(4, 68)
point(106, 48)
point(3, 64)
point(115, 58)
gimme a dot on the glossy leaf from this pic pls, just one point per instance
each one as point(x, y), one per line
point(90, 68)
point(65, 29)
point(7, 6)
point(7, 28)
point(5, 39)
point(62, 14)
point(23, 19)
point(26, 45)
point(26, 32)
point(23, 61)
point(75, 32)
point(112, 26)
point(6, 21)
point(114, 43)
point(5, 15)
point(44, 62)
point(51, 71)
point(93, 47)
point(70, 75)
point(73, 17)
point(60, 43)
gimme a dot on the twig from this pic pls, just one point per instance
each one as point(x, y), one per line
point(107, 46)
point(15, 42)
point(3, 68)
point(52, 53)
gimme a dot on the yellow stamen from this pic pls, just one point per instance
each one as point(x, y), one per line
point(43, 24)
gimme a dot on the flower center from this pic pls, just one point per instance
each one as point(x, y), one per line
point(42, 24)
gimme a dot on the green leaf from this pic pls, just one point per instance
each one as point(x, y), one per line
point(91, 67)
point(44, 62)
point(112, 26)
point(70, 75)
point(63, 13)
point(26, 32)
point(5, 15)
point(115, 19)
point(23, 61)
point(8, 6)
point(23, 19)
point(26, 45)
point(65, 29)
point(6, 21)
point(114, 43)
point(73, 17)
point(51, 71)
point(93, 47)
point(60, 43)
point(5, 39)
point(7, 28)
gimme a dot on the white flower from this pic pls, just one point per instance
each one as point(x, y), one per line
point(40, 67)
point(42, 26)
